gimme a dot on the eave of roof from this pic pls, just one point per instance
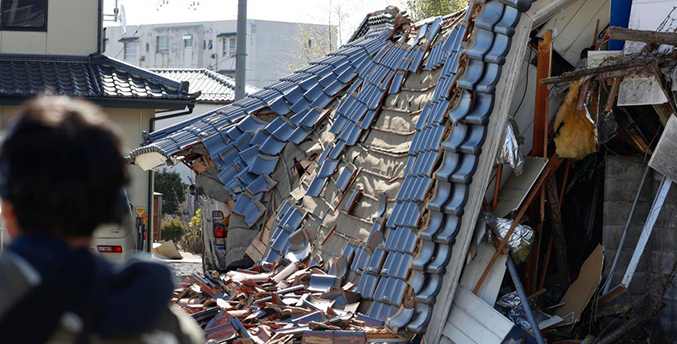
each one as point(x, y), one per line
point(104, 80)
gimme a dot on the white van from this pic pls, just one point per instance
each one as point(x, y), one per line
point(112, 241)
point(214, 234)
point(116, 241)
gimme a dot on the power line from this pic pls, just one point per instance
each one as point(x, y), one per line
point(157, 5)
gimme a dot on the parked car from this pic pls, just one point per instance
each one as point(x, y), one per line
point(214, 234)
point(116, 241)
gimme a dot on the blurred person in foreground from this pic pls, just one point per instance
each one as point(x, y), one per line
point(62, 175)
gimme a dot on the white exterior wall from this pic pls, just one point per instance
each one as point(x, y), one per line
point(131, 123)
point(65, 34)
point(274, 49)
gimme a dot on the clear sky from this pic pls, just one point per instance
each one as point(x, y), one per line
point(346, 14)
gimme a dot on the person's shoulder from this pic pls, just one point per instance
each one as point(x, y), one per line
point(189, 328)
point(185, 327)
point(173, 327)
point(129, 307)
point(16, 278)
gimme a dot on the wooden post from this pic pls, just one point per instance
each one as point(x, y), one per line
point(614, 92)
point(540, 146)
point(540, 142)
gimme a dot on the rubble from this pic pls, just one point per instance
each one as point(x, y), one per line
point(283, 302)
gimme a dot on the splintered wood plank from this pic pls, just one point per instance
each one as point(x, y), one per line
point(543, 69)
point(625, 34)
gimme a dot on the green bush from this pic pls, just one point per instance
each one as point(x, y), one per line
point(192, 239)
point(173, 230)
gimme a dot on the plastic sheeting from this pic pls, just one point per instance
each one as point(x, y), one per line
point(510, 153)
point(520, 241)
point(510, 305)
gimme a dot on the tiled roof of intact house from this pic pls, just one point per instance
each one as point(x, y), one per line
point(98, 77)
point(213, 87)
point(391, 127)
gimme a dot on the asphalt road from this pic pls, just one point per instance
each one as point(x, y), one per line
point(185, 267)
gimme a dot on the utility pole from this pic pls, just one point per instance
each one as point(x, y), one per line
point(241, 54)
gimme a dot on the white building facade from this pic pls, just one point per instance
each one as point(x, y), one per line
point(274, 49)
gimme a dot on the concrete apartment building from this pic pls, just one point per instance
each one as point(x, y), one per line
point(274, 49)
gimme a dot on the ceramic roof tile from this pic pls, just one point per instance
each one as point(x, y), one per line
point(213, 87)
point(99, 76)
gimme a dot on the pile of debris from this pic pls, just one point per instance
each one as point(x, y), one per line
point(285, 302)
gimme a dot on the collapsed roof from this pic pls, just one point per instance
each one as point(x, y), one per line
point(365, 157)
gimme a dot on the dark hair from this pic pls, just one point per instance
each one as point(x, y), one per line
point(61, 167)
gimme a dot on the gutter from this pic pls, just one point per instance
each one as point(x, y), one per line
point(93, 78)
point(99, 28)
point(113, 102)
point(151, 128)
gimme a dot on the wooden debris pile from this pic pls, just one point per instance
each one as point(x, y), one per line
point(284, 302)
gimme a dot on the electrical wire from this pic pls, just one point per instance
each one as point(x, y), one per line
point(139, 28)
point(526, 86)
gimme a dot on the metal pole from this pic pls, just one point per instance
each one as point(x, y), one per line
point(241, 54)
point(646, 231)
point(607, 284)
point(525, 300)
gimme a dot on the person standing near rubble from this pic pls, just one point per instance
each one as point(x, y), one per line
point(61, 176)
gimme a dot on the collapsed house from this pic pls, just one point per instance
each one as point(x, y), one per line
point(365, 185)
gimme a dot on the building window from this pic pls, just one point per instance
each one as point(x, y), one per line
point(229, 47)
point(233, 46)
point(187, 41)
point(227, 72)
point(131, 49)
point(162, 44)
point(24, 15)
point(209, 45)
point(147, 47)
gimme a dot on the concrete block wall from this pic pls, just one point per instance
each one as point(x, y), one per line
point(622, 178)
